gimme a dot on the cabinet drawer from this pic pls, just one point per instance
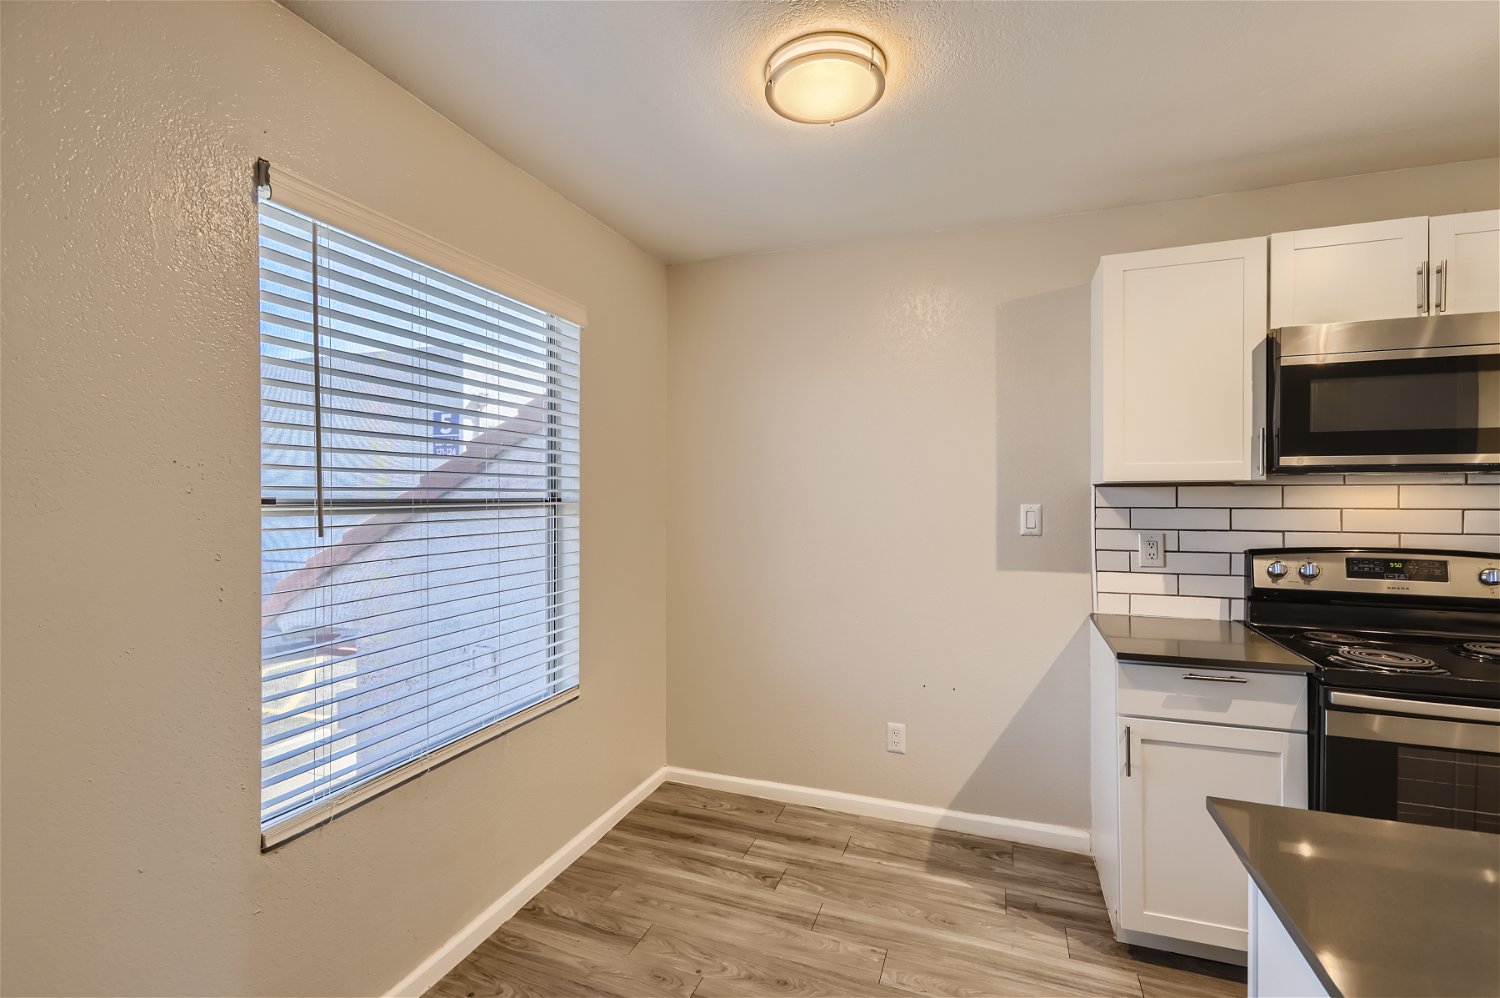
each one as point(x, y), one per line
point(1246, 699)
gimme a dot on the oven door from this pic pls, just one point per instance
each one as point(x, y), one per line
point(1419, 761)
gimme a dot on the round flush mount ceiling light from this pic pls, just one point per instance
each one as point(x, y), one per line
point(825, 77)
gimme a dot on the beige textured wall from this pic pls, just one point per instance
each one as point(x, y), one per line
point(842, 421)
point(131, 575)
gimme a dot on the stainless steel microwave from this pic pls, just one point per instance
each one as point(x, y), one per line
point(1411, 394)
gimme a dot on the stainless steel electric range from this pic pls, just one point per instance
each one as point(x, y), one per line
point(1407, 687)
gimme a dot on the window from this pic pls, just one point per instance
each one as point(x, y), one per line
point(419, 519)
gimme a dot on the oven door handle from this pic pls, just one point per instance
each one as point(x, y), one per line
point(1398, 729)
point(1416, 708)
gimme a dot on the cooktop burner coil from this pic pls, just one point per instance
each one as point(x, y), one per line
point(1386, 660)
point(1336, 639)
point(1481, 651)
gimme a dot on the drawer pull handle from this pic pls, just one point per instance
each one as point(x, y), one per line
point(1213, 679)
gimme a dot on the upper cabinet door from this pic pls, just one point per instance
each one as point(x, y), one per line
point(1374, 270)
point(1466, 262)
point(1176, 336)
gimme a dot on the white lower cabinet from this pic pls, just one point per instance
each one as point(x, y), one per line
point(1179, 877)
point(1169, 878)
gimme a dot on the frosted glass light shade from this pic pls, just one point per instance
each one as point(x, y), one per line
point(825, 77)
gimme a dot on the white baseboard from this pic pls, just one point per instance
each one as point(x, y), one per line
point(1034, 833)
point(451, 953)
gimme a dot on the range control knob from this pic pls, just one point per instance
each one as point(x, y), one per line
point(1308, 571)
point(1277, 570)
point(1490, 576)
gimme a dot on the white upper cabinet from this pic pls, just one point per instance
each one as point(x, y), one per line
point(1177, 336)
point(1465, 254)
point(1386, 270)
point(1373, 270)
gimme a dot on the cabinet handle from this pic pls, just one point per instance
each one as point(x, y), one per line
point(1127, 750)
point(1422, 288)
point(1214, 679)
point(1442, 283)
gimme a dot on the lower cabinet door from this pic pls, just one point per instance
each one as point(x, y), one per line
point(1179, 877)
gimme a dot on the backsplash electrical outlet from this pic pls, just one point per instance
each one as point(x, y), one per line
point(1209, 527)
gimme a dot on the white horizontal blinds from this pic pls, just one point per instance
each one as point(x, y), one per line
point(419, 520)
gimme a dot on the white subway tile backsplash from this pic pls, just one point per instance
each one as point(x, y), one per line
point(1340, 496)
point(1424, 521)
point(1112, 517)
point(1450, 497)
point(1229, 495)
point(1487, 543)
point(1135, 495)
point(1111, 561)
point(1228, 586)
point(1228, 540)
point(1179, 519)
point(1187, 561)
point(1335, 479)
point(1195, 607)
point(1335, 539)
point(1304, 479)
point(1482, 521)
point(1113, 603)
point(1387, 478)
point(1136, 582)
point(1211, 526)
point(1286, 519)
point(1129, 540)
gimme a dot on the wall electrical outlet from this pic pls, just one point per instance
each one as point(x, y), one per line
point(895, 738)
point(1153, 548)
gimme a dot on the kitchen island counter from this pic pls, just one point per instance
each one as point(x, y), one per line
point(1375, 907)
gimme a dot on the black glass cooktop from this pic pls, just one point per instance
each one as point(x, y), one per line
point(1449, 664)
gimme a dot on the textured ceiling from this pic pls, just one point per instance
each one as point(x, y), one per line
point(651, 117)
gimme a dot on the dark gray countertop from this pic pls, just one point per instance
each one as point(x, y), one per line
point(1211, 644)
point(1377, 907)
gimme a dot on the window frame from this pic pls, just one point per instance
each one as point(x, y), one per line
point(324, 208)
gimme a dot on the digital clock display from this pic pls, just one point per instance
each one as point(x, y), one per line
point(1399, 569)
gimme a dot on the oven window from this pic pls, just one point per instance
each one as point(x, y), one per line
point(1413, 783)
point(1446, 788)
point(1433, 406)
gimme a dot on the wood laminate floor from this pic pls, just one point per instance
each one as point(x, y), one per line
point(701, 893)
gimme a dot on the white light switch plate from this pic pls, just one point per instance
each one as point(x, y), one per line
point(1031, 519)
